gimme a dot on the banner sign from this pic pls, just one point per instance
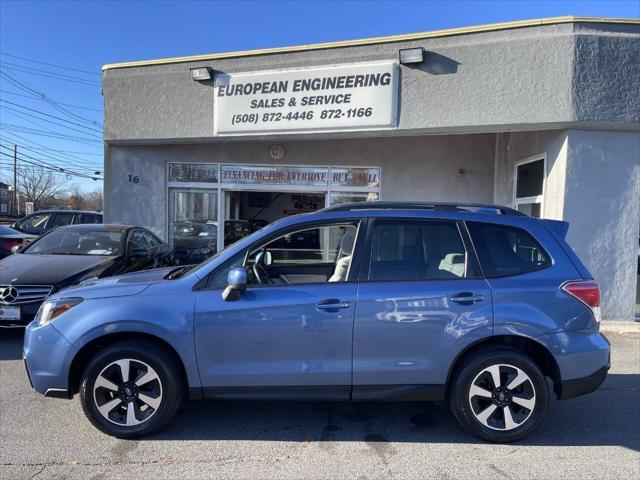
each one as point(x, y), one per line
point(193, 172)
point(355, 177)
point(361, 96)
point(274, 175)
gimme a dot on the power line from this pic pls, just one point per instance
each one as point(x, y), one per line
point(67, 151)
point(42, 96)
point(46, 133)
point(44, 164)
point(16, 112)
point(51, 116)
point(65, 163)
point(48, 74)
point(33, 144)
point(49, 64)
point(49, 167)
point(59, 103)
point(74, 162)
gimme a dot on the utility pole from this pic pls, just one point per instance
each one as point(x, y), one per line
point(15, 178)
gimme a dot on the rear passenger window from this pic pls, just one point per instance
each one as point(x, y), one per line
point(416, 250)
point(88, 218)
point(505, 250)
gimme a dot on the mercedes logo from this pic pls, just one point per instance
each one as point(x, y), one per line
point(9, 294)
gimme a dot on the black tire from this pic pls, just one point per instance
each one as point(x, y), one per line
point(460, 402)
point(169, 381)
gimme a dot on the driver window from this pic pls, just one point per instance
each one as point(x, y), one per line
point(312, 255)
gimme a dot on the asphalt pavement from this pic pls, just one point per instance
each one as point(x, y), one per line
point(596, 436)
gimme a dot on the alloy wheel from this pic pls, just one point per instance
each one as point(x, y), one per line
point(502, 397)
point(127, 392)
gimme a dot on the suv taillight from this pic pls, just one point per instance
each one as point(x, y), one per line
point(588, 292)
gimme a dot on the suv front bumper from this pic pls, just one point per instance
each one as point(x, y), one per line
point(47, 356)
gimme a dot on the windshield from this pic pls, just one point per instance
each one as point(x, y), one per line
point(187, 229)
point(70, 242)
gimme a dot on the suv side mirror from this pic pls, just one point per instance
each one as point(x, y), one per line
point(236, 284)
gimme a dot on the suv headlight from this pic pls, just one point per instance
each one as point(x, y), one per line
point(50, 310)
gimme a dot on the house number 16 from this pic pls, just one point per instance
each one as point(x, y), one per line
point(134, 178)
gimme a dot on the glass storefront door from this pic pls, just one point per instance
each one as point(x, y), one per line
point(212, 205)
point(193, 224)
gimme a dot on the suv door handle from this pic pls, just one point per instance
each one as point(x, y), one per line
point(332, 304)
point(467, 298)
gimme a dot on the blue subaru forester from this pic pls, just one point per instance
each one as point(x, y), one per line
point(475, 305)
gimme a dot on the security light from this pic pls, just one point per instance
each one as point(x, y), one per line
point(411, 55)
point(201, 74)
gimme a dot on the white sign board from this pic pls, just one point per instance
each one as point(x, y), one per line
point(360, 96)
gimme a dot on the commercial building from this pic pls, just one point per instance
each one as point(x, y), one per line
point(542, 115)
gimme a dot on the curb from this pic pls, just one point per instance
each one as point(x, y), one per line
point(619, 327)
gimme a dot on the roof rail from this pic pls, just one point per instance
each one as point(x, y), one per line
point(434, 206)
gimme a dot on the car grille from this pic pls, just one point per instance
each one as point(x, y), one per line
point(21, 294)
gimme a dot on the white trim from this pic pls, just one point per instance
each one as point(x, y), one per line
point(534, 199)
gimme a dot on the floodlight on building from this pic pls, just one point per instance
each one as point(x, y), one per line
point(202, 74)
point(411, 55)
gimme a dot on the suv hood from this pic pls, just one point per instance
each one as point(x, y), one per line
point(120, 286)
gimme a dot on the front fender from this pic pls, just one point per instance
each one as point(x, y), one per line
point(166, 318)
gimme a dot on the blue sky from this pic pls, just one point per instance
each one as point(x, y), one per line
point(86, 35)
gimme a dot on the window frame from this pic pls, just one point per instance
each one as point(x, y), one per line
point(354, 268)
point(54, 217)
point(129, 236)
point(48, 215)
point(517, 201)
point(515, 227)
point(472, 264)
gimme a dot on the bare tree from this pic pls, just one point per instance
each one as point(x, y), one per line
point(95, 200)
point(77, 198)
point(40, 186)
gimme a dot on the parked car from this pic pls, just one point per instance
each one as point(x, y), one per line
point(68, 255)
point(257, 224)
point(194, 242)
point(40, 222)
point(235, 230)
point(478, 307)
point(10, 239)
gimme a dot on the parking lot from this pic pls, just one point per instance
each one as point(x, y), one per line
point(597, 436)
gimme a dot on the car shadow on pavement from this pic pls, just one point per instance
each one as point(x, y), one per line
point(607, 417)
point(11, 340)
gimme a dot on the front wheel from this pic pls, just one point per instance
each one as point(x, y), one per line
point(500, 395)
point(130, 390)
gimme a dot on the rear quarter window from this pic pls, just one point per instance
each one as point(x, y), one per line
point(504, 250)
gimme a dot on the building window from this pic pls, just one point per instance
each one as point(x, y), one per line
point(528, 188)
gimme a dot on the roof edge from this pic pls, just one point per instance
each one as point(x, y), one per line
point(375, 40)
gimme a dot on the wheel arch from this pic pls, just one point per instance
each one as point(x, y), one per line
point(538, 353)
point(92, 347)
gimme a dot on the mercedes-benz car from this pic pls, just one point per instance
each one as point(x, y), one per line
point(482, 307)
point(68, 255)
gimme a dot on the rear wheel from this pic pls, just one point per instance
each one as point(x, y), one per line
point(500, 395)
point(129, 390)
